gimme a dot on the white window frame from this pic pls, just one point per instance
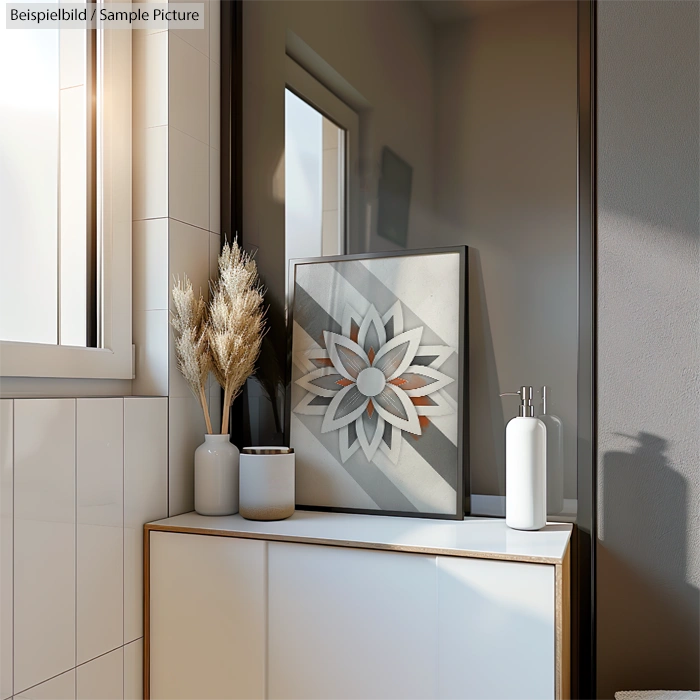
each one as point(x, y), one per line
point(114, 358)
point(309, 89)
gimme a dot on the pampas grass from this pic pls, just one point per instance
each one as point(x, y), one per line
point(236, 323)
point(225, 337)
point(189, 322)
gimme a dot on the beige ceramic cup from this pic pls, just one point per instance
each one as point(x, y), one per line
point(266, 483)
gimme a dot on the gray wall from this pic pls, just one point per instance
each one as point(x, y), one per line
point(505, 184)
point(648, 325)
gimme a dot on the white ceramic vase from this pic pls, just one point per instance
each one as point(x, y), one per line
point(267, 483)
point(216, 463)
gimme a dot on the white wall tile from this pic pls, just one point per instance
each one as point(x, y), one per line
point(214, 250)
point(189, 255)
point(150, 79)
point(100, 552)
point(189, 89)
point(199, 38)
point(188, 179)
point(151, 333)
point(102, 678)
point(133, 670)
point(71, 60)
point(214, 191)
point(185, 433)
point(215, 105)
point(6, 498)
point(150, 264)
point(44, 556)
point(145, 494)
point(215, 30)
point(59, 688)
point(150, 173)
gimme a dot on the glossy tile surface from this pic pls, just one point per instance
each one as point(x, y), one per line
point(133, 670)
point(102, 678)
point(188, 89)
point(185, 435)
point(150, 266)
point(59, 688)
point(145, 494)
point(44, 553)
point(100, 552)
point(188, 174)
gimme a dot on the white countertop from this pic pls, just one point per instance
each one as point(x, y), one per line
point(487, 538)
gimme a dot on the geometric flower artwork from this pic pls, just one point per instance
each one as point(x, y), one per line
point(376, 413)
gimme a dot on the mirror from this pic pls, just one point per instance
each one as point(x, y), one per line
point(48, 185)
point(384, 126)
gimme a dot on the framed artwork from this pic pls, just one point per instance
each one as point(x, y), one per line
point(394, 198)
point(377, 403)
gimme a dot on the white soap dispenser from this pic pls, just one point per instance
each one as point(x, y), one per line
point(526, 466)
point(555, 456)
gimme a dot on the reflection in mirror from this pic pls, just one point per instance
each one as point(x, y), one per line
point(47, 171)
point(467, 135)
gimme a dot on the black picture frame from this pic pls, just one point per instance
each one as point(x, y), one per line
point(462, 485)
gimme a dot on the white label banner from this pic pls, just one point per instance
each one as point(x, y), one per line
point(113, 15)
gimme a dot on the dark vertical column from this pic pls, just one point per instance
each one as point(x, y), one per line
point(583, 574)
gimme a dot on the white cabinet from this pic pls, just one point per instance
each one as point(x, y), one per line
point(346, 606)
point(496, 629)
point(207, 617)
point(350, 623)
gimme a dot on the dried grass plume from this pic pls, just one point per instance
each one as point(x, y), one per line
point(236, 323)
point(189, 322)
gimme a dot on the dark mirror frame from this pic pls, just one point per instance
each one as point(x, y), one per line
point(583, 561)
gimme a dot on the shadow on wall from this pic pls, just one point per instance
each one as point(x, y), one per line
point(647, 611)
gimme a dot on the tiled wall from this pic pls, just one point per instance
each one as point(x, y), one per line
point(80, 476)
point(176, 216)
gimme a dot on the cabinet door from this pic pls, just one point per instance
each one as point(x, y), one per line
point(207, 617)
point(495, 629)
point(351, 623)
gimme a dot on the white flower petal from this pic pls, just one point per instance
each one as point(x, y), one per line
point(350, 403)
point(307, 382)
point(371, 319)
point(395, 357)
point(442, 407)
point(437, 380)
point(348, 358)
point(350, 316)
point(439, 352)
point(393, 452)
point(395, 313)
point(369, 447)
point(390, 395)
point(346, 449)
point(306, 408)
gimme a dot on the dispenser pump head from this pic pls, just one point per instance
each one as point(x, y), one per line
point(526, 409)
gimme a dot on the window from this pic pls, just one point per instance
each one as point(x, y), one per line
point(321, 134)
point(65, 202)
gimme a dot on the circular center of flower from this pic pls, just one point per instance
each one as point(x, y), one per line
point(371, 381)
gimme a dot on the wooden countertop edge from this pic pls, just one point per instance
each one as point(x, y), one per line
point(357, 544)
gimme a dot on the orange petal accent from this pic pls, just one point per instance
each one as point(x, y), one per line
point(398, 381)
point(370, 355)
point(370, 408)
point(424, 423)
point(324, 361)
point(421, 401)
point(344, 382)
point(354, 331)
